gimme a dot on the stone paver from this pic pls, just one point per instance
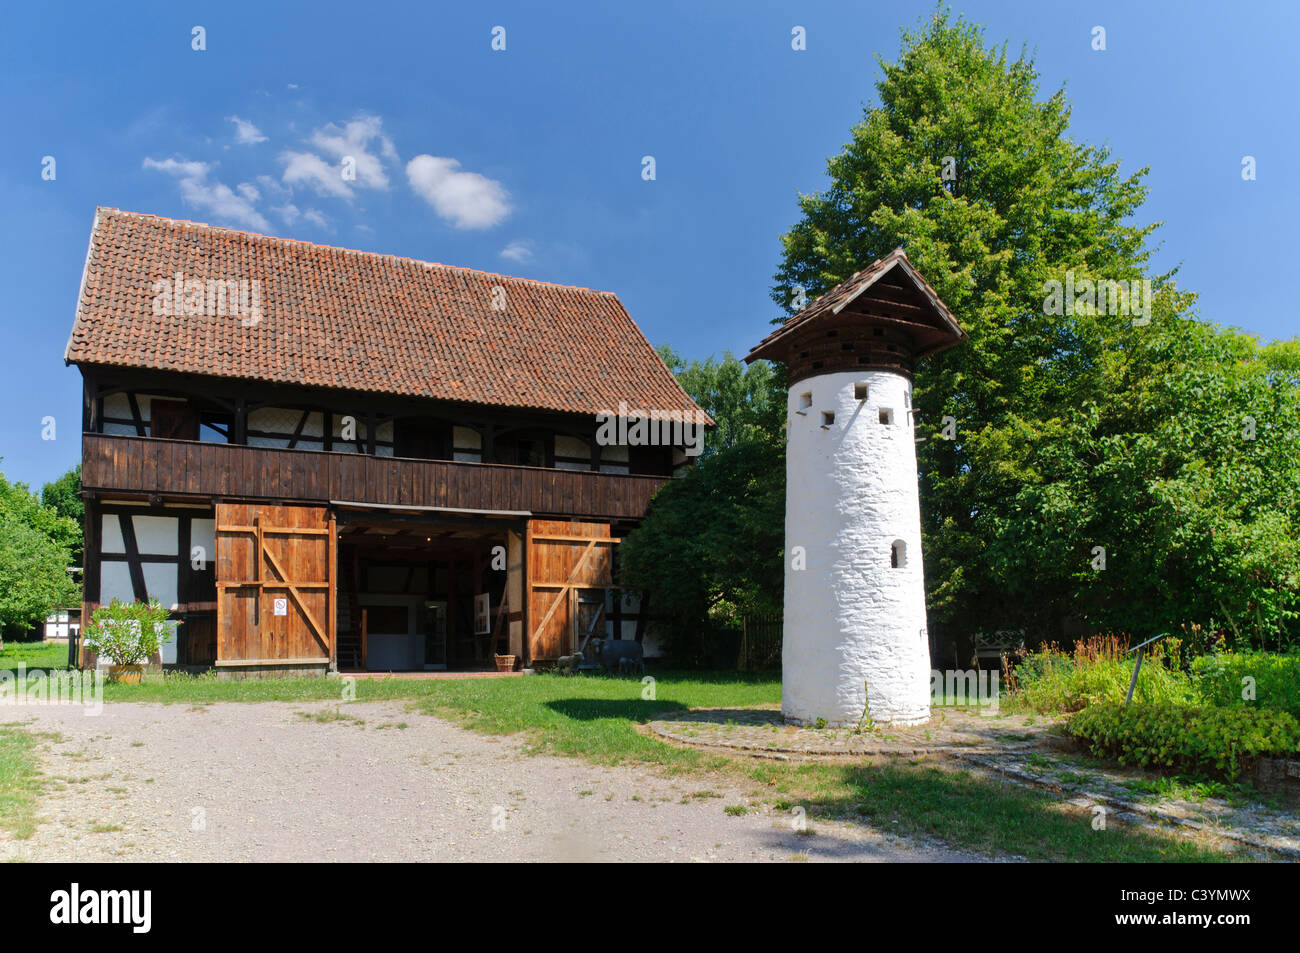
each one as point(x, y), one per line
point(764, 731)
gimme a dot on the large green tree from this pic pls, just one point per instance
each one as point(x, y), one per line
point(1075, 427)
point(709, 550)
point(63, 496)
point(35, 554)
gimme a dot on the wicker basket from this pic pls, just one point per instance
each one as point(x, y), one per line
point(505, 663)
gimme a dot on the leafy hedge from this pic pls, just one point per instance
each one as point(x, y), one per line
point(1223, 679)
point(1219, 742)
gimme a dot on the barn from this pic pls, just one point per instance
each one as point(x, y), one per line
point(324, 459)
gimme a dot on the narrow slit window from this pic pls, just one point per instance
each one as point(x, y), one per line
point(898, 555)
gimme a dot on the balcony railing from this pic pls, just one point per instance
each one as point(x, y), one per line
point(186, 468)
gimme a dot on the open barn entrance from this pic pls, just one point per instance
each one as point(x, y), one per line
point(425, 592)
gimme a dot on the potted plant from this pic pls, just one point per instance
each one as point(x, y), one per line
point(128, 635)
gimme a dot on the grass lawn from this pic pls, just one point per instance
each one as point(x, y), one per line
point(594, 717)
point(34, 655)
point(19, 781)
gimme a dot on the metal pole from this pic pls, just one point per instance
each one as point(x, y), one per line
point(1137, 666)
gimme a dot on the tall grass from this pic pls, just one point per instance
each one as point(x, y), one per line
point(1097, 670)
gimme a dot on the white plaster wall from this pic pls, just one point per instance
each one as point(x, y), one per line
point(155, 535)
point(115, 583)
point(850, 617)
point(203, 532)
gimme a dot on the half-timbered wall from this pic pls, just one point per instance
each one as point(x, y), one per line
point(144, 409)
point(135, 552)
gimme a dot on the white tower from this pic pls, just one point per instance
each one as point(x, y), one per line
point(855, 627)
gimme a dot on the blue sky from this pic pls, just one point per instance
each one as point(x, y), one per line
point(528, 161)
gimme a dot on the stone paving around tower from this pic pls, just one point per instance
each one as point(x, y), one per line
point(763, 731)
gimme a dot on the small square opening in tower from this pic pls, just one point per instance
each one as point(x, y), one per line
point(828, 418)
point(860, 390)
point(886, 416)
point(805, 401)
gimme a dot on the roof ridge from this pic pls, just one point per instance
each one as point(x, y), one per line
point(117, 212)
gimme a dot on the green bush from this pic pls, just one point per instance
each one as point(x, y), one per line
point(126, 632)
point(1204, 740)
point(1265, 679)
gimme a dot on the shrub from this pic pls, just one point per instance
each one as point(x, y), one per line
point(1218, 742)
point(1097, 671)
point(126, 632)
point(1223, 680)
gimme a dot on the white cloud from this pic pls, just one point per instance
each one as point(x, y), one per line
point(354, 140)
point(246, 134)
point(249, 192)
point(520, 251)
point(307, 168)
point(272, 188)
point(466, 199)
point(289, 212)
point(318, 219)
point(225, 204)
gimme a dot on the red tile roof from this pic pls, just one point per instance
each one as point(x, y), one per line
point(333, 317)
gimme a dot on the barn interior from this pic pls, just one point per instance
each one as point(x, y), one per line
point(422, 592)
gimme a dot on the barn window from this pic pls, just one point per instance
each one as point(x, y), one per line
point(898, 555)
point(886, 416)
point(860, 390)
point(216, 427)
point(828, 418)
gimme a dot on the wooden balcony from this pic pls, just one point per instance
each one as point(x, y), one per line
point(144, 466)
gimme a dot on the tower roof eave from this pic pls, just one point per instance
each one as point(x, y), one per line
point(837, 302)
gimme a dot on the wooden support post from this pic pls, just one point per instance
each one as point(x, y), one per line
point(239, 429)
point(332, 594)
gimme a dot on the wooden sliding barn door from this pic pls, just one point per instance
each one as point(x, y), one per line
point(275, 584)
point(562, 559)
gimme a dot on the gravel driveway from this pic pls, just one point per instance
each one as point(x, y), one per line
point(266, 782)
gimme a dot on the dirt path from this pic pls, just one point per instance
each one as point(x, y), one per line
point(263, 782)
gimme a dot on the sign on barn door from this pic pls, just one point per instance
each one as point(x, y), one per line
point(275, 584)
